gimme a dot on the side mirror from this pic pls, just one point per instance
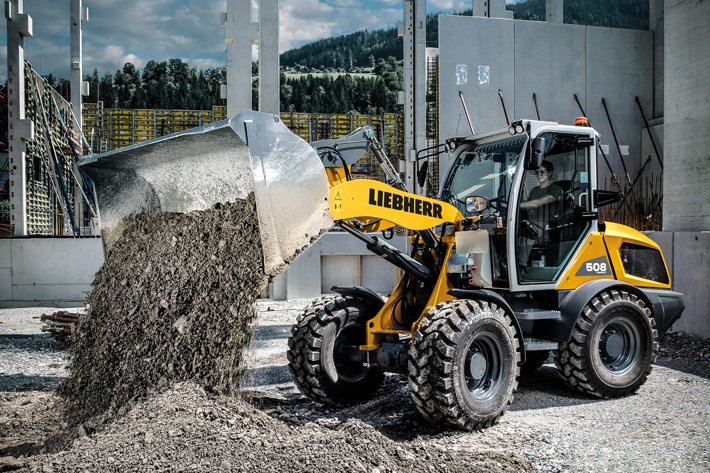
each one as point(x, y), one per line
point(535, 154)
point(476, 204)
point(421, 174)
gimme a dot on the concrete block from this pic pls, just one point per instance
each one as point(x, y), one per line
point(47, 269)
point(50, 292)
point(378, 274)
point(485, 48)
point(5, 284)
point(5, 253)
point(277, 288)
point(55, 260)
point(303, 277)
point(340, 270)
point(665, 241)
point(691, 262)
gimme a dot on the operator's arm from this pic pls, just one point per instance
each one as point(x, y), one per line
point(535, 203)
point(551, 194)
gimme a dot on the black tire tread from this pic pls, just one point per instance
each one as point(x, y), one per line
point(304, 352)
point(570, 359)
point(431, 360)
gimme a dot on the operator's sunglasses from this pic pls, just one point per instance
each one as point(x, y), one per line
point(540, 173)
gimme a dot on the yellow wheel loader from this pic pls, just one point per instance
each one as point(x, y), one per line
point(511, 263)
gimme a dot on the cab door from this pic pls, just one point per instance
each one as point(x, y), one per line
point(553, 212)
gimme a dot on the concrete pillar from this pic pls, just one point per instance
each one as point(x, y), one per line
point(655, 24)
point(77, 15)
point(269, 74)
point(414, 87)
point(20, 129)
point(554, 11)
point(686, 200)
point(491, 9)
point(239, 35)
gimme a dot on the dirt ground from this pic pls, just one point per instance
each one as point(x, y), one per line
point(549, 428)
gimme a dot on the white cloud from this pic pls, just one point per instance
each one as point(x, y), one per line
point(457, 5)
point(143, 30)
point(309, 20)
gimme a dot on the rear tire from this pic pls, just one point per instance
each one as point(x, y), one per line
point(463, 363)
point(613, 346)
point(319, 368)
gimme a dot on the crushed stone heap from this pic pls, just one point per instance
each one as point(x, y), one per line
point(185, 429)
point(172, 302)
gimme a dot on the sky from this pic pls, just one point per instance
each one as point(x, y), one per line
point(137, 31)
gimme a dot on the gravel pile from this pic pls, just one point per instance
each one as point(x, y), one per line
point(680, 345)
point(172, 302)
point(186, 429)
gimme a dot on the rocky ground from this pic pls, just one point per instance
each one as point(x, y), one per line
point(665, 427)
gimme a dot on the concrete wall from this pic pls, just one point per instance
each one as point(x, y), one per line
point(554, 61)
point(335, 259)
point(34, 271)
point(686, 202)
point(688, 256)
point(59, 271)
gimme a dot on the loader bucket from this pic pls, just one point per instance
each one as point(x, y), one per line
point(217, 163)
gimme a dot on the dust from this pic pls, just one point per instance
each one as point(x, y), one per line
point(173, 302)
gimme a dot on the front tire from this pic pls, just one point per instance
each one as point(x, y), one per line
point(613, 346)
point(318, 353)
point(463, 364)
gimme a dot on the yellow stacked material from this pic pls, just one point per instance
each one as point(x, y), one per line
point(120, 127)
point(143, 125)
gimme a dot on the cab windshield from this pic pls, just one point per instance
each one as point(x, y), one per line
point(486, 170)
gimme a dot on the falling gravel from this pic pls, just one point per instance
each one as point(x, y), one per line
point(173, 302)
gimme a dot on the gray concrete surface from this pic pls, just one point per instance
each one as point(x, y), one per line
point(33, 270)
point(688, 257)
point(686, 201)
point(553, 61)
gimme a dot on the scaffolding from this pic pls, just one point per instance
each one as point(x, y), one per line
point(56, 196)
point(432, 120)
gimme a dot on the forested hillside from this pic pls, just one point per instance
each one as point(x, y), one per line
point(364, 48)
point(174, 84)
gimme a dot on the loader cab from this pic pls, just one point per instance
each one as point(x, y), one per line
point(553, 208)
point(530, 245)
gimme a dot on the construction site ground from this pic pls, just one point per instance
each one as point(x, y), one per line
point(665, 427)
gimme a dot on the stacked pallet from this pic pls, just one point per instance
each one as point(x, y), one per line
point(61, 324)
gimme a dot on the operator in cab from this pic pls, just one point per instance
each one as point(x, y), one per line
point(541, 204)
point(537, 212)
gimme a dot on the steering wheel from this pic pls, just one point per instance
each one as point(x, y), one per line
point(528, 229)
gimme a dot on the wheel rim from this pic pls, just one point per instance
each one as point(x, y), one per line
point(348, 370)
point(619, 345)
point(484, 366)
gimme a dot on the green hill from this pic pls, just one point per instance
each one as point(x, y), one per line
point(364, 48)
